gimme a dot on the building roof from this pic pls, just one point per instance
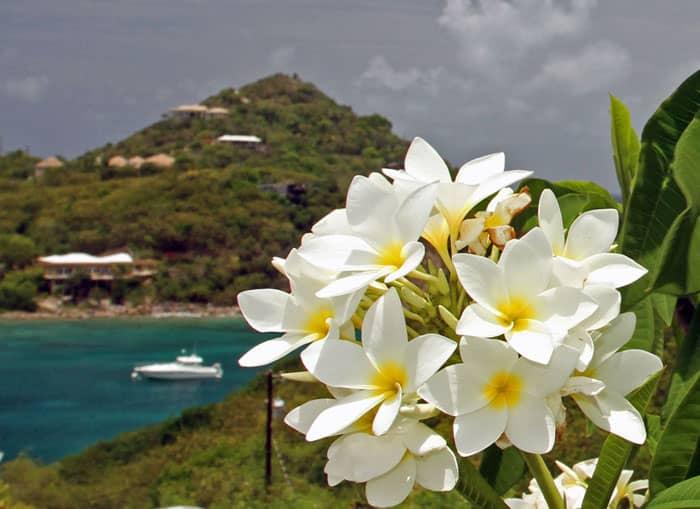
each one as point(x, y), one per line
point(239, 138)
point(162, 160)
point(86, 259)
point(136, 161)
point(217, 110)
point(189, 108)
point(49, 162)
point(116, 162)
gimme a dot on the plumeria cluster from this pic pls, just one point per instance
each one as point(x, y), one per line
point(456, 313)
point(572, 484)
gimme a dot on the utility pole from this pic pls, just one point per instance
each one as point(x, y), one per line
point(268, 434)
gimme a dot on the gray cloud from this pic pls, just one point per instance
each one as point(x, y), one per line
point(30, 89)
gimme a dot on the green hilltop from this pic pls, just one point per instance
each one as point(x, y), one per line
point(214, 218)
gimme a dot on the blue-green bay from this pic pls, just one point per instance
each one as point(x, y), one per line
point(66, 384)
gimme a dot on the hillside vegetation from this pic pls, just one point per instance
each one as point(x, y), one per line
point(215, 218)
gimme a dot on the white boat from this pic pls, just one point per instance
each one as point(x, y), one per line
point(185, 367)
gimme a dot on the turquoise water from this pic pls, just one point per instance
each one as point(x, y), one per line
point(66, 384)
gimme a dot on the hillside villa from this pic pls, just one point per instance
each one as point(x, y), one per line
point(186, 111)
point(58, 268)
point(49, 163)
point(244, 140)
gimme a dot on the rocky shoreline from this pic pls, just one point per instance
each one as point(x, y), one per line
point(162, 310)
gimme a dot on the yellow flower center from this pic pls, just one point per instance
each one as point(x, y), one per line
point(495, 219)
point(391, 255)
point(503, 390)
point(388, 377)
point(317, 322)
point(516, 311)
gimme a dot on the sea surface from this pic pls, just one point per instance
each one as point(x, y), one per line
point(66, 384)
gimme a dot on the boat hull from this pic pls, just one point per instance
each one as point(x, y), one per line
point(177, 372)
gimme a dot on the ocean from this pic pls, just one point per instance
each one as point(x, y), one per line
point(66, 384)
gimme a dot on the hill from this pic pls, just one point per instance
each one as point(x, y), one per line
point(214, 219)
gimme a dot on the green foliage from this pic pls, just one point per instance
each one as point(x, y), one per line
point(502, 468)
point(625, 146)
point(17, 164)
point(684, 495)
point(615, 453)
point(474, 488)
point(17, 251)
point(660, 219)
point(18, 290)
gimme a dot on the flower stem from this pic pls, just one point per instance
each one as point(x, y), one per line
point(541, 473)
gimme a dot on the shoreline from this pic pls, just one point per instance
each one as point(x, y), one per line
point(164, 310)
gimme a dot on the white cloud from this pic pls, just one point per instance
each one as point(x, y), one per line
point(596, 66)
point(379, 73)
point(493, 34)
point(29, 89)
point(281, 58)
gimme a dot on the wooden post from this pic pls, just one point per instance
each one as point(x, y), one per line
point(268, 434)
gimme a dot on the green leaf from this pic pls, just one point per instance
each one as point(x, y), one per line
point(614, 454)
point(678, 270)
point(684, 495)
point(646, 328)
point(475, 489)
point(678, 442)
point(656, 201)
point(665, 306)
point(687, 365)
point(502, 468)
point(574, 197)
point(625, 145)
point(653, 423)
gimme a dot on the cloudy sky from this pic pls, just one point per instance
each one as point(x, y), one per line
point(529, 77)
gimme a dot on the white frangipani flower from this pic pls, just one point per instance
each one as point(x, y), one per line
point(583, 257)
point(475, 180)
point(601, 388)
point(384, 372)
point(572, 484)
point(494, 391)
point(301, 315)
point(513, 298)
point(385, 228)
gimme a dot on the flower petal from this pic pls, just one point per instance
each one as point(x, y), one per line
point(331, 251)
point(368, 205)
point(613, 269)
point(349, 284)
point(482, 168)
point(341, 364)
point(608, 300)
point(274, 349)
point(543, 380)
point(438, 471)
point(360, 457)
point(424, 163)
point(420, 439)
point(483, 357)
point(497, 182)
point(412, 254)
point(481, 278)
point(476, 430)
point(384, 336)
point(454, 390)
point(263, 309)
point(387, 413)
point(335, 222)
point(342, 414)
point(612, 412)
point(625, 371)
point(549, 219)
point(393, 487)
point(531, 425)
point(304, 415)
point(533, 340)
point(614, 336)
point(563, 308)
point(424, 356)
point(413, 213)
point(479, 321)
point(527, 264)
point(591, 233)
